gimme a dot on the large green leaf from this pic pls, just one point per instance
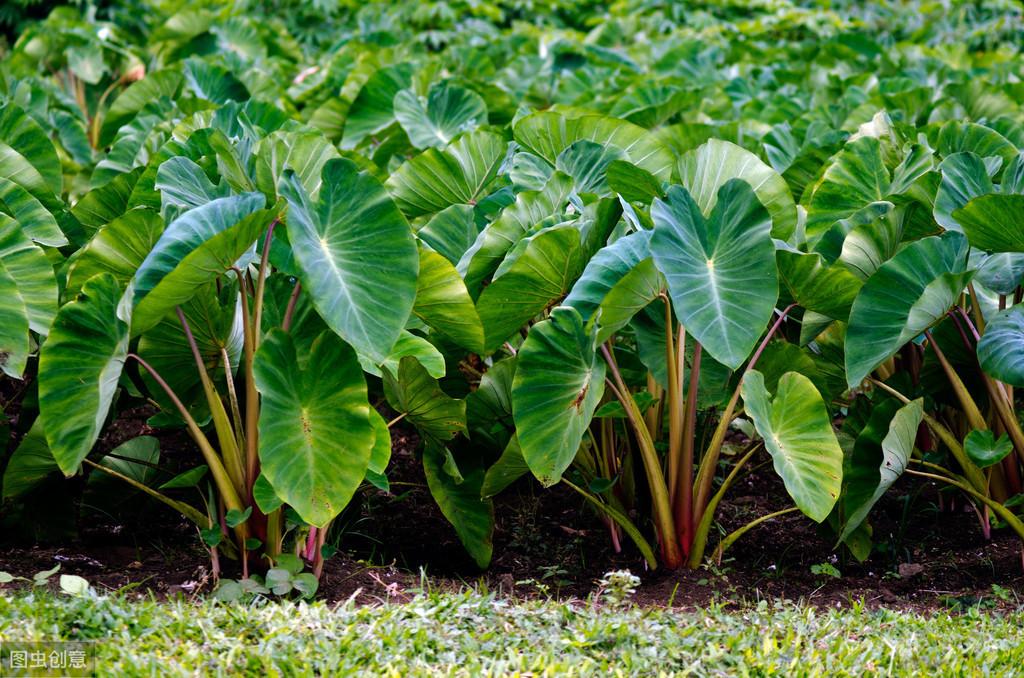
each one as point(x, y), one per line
point(33, 273)
point(413, 392)
point(558, 384)
point(721, 270)
point(118, 248)
point(964, 177)
point(27, 155)
point(444, 304)
point(193, 250)
point(372, 109)
point(357, 256)
point(304, 153)
point(435, 178)
point(79, 367)
point(14, 326)
point(29, 464)
point(127, 105)
point(817, 286)
point(447, 111)
point(184, 185)
point(994, 222)
point(37, 222)
point(542, 274)
point(856, 177)
point(1001, 349)
point(704, 170)
point(461, 503)
point(875, 466)
point(548, 133)
point(797, 432)
point(494, 242)
point(905, 296)
point(315, 430)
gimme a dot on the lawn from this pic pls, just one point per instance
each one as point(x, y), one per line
point(473, 633)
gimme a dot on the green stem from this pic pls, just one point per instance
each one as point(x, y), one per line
point(652, 467)
point(736, 534)
point(217, 470)
point(700, 536)
point(221, 423)
point(622, 521)
point(708, 465)
point(184, 509)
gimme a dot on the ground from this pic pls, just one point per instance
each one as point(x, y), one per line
point(549, 544)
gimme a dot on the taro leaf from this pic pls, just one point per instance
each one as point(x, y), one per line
point(451, 232)
point(304, 153)
point(447, 111)
point(372, 109)
point(633, 183)
point(906, 295)
point(587, 163)
point(436, 179)
point(489, 407)
point(27, 156)
point(315, 432)
point(705, 170)
point(32, 272)
point(193, 250)
point(265, 496)
point(548, 133)
point(444, 304)
point(357, 256)
point(186, 479)
point(964, 177)
point(495, 241)
point(79, 367)
point(856, 177)
point(544, 273)
point(994, 222)
point(380, 456)
point(413, 392)
point(102, 205)
point(1001, 349)
point(461, 504)
point(213, 83)
point(135, 459)
point(878, 461)
point(985, 450)
point(510, 467)
point(720, 271)
point(817, 286)
point(118, 248)
point(558, 384)
point(184, 185)
point(14, 326)
point(618, 281)
point(408, 344)
point(1000, 272)
point(797, 432)
point(529, 172)
point(37, 222)
point(29, 465)
point(960, 136)
point(127, 105)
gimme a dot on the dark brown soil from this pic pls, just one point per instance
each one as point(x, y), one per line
point(547, 542)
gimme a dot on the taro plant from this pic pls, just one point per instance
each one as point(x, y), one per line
point(695, 298)
point(285, 393)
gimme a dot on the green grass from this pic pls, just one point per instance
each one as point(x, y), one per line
point(473, 634)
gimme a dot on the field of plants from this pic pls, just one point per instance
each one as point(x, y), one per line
point(332, 299)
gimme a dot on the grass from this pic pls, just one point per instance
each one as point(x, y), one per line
point(474, 634)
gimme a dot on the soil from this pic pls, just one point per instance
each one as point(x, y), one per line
point(930, 552)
